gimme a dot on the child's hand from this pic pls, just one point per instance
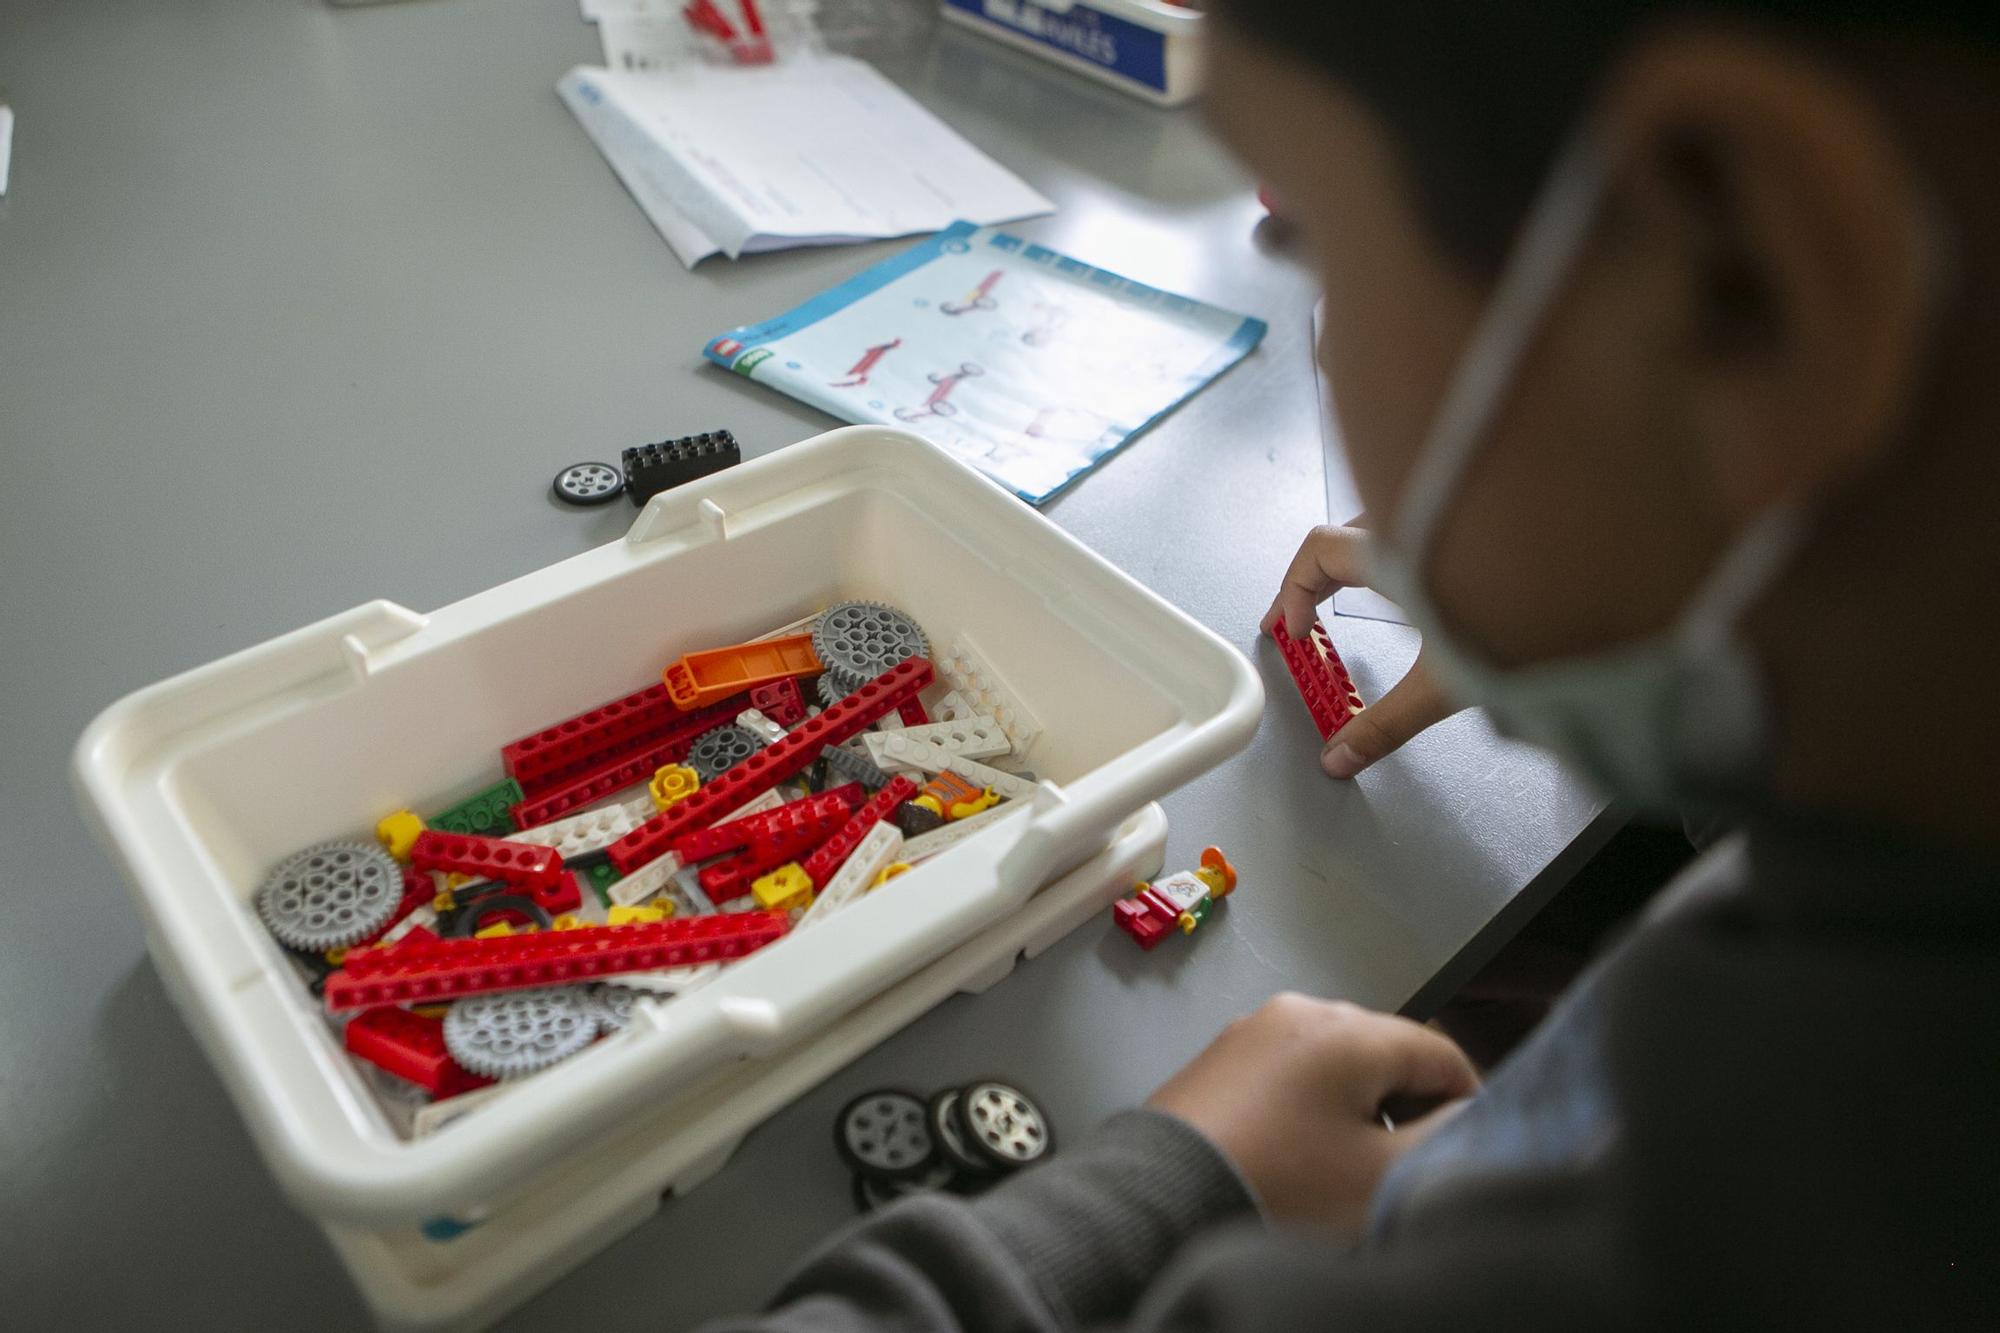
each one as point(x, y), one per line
point(1294, 1093)
point(1328, 560)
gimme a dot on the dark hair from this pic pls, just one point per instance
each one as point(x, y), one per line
point(1480, 94)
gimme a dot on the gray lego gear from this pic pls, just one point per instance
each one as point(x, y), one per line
point(858, 641)
point(613, 1004)
point(330, 896)
point(716, 752)
point(852, 766)
point(512, 1033)
point(832, 688)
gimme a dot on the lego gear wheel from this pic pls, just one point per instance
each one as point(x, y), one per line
point(858, 641)
point(1004, 1124)
point(716, 752)
point(614, 1004)
point(832, 689)
point(330, 896)
point(512, 1033)
point(589, 484)
point(884, 1133)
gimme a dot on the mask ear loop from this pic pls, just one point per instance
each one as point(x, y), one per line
point(1551, 241)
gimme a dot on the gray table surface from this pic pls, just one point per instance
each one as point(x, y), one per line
point(301, 306)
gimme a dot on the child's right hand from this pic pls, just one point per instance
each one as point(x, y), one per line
point(1328, 560)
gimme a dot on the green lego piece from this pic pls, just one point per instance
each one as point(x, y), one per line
point(602, 876)
point(485, 813)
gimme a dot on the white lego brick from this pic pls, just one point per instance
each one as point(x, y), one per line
point(930, 757)
point(930, 844)
point(856, 875)
point(434, 1116)
point(646, 881)
point(668, 980)
point(953, 708)
point(986, 691)
point(971, 738)
point(591, 831)
point(763, 728)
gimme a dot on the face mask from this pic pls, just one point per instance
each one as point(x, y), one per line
point(1680, 718)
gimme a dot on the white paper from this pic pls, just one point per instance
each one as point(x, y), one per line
point(813, 151)
point(6, 144)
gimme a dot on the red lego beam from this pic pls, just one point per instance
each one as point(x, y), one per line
point(772, 764)
point(1321, 677)
point(760, 830)
point(822, 865)
point(609, 734)
point(447, 969)
point(613, 776)
point(537, 871)
point(409, 1046)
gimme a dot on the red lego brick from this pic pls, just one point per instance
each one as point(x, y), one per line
point(780, 700)
point(536, 871)
point(760, 830)
point(448, 969)
point(601, 782)
point(772, 764)
point(1140, 921)
point(606, 736)
point(912, 712)
point(833, 853)
point(1321, 677)
point(410, 1046)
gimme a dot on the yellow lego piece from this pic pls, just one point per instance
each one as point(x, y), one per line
point(398, 833)
point(929, 803)
point(634, 916)
point(889, 872)
point(430, 1010)
point(984, 801)
point(674, 782)
point(335, 956)
point(567, 921)
point(494, 931)
point(783, 889)
point(446, 901)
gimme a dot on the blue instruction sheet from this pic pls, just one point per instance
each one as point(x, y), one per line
point(1029, 365)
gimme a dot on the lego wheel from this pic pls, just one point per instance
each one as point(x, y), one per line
point(1003, 1123)
point(872, 1192)
point(589, 484)
point(882, 1133)
point(330, 896)
point(954, 1147)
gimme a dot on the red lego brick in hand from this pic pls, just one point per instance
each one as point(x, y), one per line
point(537, 871)
point(1321, 677)
point(780, 700)
point(447, 969)
point(773, 764)
point(410, 1046)
point(766, 828)
point(822, 865)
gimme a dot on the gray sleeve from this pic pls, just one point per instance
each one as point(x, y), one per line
point(1068, 1245)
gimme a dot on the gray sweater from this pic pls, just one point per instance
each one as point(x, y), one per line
point(1776, 1105)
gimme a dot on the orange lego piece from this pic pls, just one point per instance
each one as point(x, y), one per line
point(704, 677)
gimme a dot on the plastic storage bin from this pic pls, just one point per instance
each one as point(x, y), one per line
point(202, 782)
point(1149, 48)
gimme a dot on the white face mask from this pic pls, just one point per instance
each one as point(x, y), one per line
point(1681, 717)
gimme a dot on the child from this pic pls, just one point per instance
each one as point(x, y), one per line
point(1664, 344)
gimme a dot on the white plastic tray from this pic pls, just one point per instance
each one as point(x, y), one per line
point(199, 784)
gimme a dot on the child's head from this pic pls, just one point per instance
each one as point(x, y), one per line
point(1785, 293)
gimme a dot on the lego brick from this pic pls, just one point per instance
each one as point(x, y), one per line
point(652, 468)
point(1321, 676)
point(593, 830)
point(854, 766)
point(985, 691)
point(930, 757)
point(485, 813)
point(763, 728)
point(876, 852)
point(954, 708)
point(673, 782)
point(937, 840)
point(702, 678)
point(971, 738)
point(773, 764)
point(410, 1046)
point(397, 831)
point(780, 700)
point(537, 871)
point(647, 880)
point(1138, 919)
point(447, 969)
point(612, 777)
point(730, 878)
point(911, 713)
point(785, 889)
point(556, 756)
point(764, 830)
point(826, 860)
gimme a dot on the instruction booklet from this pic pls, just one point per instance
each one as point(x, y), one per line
point(1029, 365)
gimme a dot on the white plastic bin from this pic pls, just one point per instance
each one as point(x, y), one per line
point(1148, 48)
point(201, 783)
